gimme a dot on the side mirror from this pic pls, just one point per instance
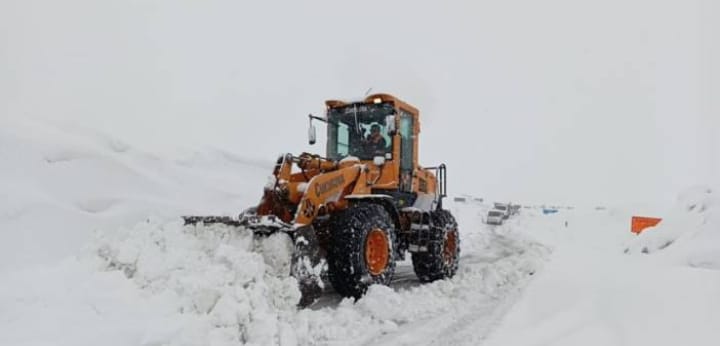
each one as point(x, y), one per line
point(312, 134)
point(379, 160)
point(390, 124)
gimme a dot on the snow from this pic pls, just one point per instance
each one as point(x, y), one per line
point(224, 280)
point(689, 235)
point(598, 290)
point(302, 187)
point(76, 181)
point(93, 251)
point(271, 182)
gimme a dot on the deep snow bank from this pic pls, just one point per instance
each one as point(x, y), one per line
point(156, 283)
point(591, 293)
point(229, 285)
point(689, 235)
point(58, 185)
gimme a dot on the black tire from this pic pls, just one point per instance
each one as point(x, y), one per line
point(349, 271)
point(441, 259)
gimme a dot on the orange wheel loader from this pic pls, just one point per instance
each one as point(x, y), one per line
point(364, 205)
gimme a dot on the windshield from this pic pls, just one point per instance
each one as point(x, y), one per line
point(359, 130)
point(495, 213)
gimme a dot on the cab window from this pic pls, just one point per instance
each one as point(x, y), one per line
point(359, 130)
point(407, 137)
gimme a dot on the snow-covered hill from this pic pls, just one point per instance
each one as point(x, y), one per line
point(59, 184)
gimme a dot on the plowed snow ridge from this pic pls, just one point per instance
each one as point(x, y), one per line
point(232, 286)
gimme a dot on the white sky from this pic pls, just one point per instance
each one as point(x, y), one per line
point(557, 101)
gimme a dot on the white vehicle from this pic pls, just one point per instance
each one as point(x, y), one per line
point(495, 217)
point(504, 208)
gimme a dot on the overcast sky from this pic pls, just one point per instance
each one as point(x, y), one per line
point(559, 101)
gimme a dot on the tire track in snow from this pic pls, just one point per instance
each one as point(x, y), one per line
point(475, 328)
point(493, 280)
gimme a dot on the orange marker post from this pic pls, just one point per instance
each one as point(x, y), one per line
point(640, 223)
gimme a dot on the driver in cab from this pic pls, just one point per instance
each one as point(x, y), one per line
point(375, 143)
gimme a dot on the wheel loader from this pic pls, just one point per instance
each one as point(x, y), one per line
point(360, 208)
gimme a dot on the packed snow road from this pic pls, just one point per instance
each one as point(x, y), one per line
point(491, 280)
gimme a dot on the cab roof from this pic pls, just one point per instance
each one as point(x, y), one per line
point(372, 99)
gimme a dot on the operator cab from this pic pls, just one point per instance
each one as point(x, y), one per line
point(382, 131)
point(361, 130)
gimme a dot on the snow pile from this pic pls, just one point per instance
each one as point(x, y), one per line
point(156, 284)
point(689, 235)
point(589, 293)
point(228, 286)
point(216, 275)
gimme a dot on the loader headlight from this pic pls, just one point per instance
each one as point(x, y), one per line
point(377, 100)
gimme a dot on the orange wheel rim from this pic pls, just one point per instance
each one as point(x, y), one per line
point(376, 251)
point(450, 247)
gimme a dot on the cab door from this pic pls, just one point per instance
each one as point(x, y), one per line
point(407, 141)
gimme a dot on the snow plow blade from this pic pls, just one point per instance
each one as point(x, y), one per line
point(265, 224)
point(308, 265)
point(207, 220)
